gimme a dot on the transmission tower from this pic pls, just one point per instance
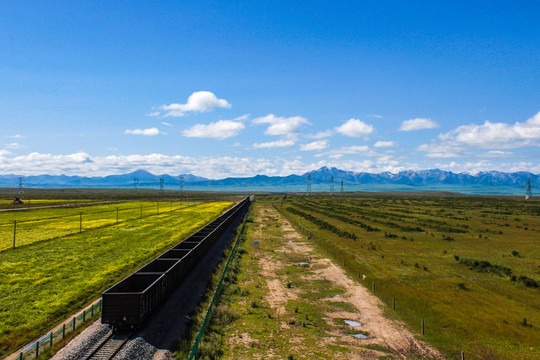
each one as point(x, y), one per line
point(308, 190)
point(136, 183)
point(331, 185)
point(181, 186)
point(528, 192)
point(161, 181)
point(21, 190)
point(341, 190)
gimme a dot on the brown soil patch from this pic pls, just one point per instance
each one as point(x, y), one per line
point(278, 295)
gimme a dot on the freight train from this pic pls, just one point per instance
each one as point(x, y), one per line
point(130, 302)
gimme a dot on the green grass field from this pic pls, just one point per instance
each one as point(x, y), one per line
point(469, 266)
point(44, 282)
point(44, 224)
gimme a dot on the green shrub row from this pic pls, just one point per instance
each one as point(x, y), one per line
point(484, 266)
point(332, 213)
point(321, 224)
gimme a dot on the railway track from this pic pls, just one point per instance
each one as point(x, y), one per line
point(109, 347)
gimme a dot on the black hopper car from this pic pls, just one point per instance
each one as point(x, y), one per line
point(133, 299)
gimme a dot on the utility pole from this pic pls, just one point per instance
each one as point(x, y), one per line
point(161, 181)
point(341, 190)
point(331, 185)
point(181, 187)
point(136, 182)
point(308, 190)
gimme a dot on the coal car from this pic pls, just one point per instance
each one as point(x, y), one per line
point(131, 301)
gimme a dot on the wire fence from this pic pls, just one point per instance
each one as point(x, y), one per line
point(16, 233)
point(208, 316)
point(45, 343)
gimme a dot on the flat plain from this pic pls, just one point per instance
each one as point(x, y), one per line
point(43, 282)
point(40, 224)
point(468, 266)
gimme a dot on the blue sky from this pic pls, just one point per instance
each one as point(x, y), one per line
point(223, 89)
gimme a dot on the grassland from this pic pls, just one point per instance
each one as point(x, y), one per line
point(46, 281)
point(469, 266)
point(283, 299)
point(44, 224)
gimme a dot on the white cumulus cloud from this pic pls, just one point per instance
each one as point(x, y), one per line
point(346, 150)
point(221, 129)
point(489, 136)
point(14, 146)
point(320, 134)
point(315, 145)
point(381, 144)
point(418, 124)
point(355, 128)
point(281, 125)
point(199, 101)
point(146, 132)
point(274, 144)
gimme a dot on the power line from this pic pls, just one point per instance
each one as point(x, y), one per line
point(21, 189)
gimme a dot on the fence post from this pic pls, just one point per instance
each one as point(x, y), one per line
point(37, 349)
point(92, 310)
point(50, 340)
point(462, 355)
point(141, 211)
point(63, 331)
point(74, 323)
point(116, 216)
point(20, 355)
point(422, 326)
point(373, 286)
point(80, 223)
point(84, 315)
point(394, 303)
point(14, 232)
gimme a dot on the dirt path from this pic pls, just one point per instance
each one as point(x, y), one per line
point(385, 337)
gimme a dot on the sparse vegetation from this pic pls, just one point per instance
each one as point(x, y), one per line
point(470, 283)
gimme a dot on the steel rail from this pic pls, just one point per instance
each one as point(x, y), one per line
point(109, 347)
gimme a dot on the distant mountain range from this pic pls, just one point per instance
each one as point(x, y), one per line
point(323, 175)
